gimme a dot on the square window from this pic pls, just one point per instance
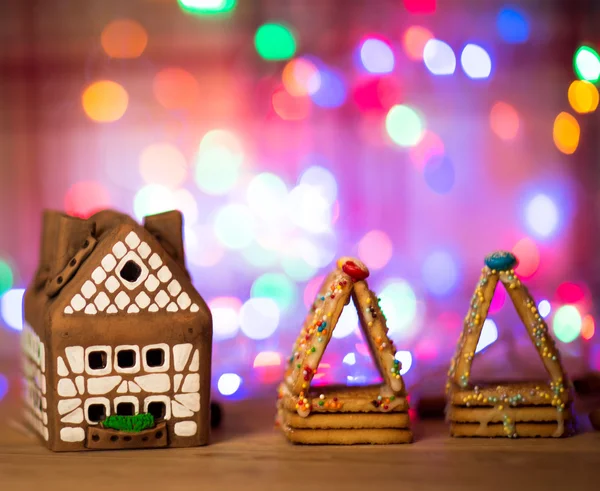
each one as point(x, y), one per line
point(96, 412)
point(155, 357)
point(97, 360)
point(126, 358)
point(125, 409)
point(157, 409)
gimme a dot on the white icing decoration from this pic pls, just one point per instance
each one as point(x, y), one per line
point(68, 309)
point(131, 399)
point(184, 301)
point(191, 401)
point(174, 288)
point(67, 405)
point(119, 250)
point(155, 261)
point(191, 383)
point(164, 274)
point(102, 301)
point(194, 308)
point(108, 262)
point(152, 283)
point(99, 275)
point(166, 357)
point(77, 302)
point(72, 434)
point(181, 353)
point(142, 300)
point(90, 309)
point(75, 417)
point(111, 310)
point(153, 308)
point(136, 366)
point(112, 284)
point(155, 382)
point(144, 250)
point(102, 385)
point(66, 388)
point(177, 381)
point(88, 289)
point(172, 307)
point(135, 388)
point(186, 428)
point(195, 365)
point(132, 240)
point(123, 387)
point(75, 358)
point(132, 256)
point(133, 309)
point(80, 383)
point(161, 298)
point(180, 411)
point(122, 300)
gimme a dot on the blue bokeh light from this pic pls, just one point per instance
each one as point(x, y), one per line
point(333, 92)
point(439, 174)
point(512, 25)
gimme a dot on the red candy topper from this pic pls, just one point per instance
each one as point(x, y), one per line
point(355, 271)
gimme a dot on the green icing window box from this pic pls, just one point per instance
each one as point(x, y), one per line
point(130, 424)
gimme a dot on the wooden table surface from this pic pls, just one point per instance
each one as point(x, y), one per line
point(248, 454)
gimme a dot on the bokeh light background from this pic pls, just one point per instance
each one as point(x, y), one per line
point(418, 135)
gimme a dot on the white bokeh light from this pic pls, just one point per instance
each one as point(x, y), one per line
point(259, 318)
point(541, 214)
point(229, 383)
point(439, 57)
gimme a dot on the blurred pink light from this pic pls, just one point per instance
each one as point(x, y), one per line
point(84, 199)
point(375, 249)
point(311, 290)
point(430, 145)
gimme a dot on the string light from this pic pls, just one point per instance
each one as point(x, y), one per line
point(275, 41)
point(404, 126)
point(476, 61)
point(439, 58)
point(567, 323)
point(504, 121)
point(124, 38)
point(414, 41)
point(586, 63)
point(6, 276)
point(583, 96)
point(105, 101)
point(376, 56)
point(175, 88)
point(207, 7)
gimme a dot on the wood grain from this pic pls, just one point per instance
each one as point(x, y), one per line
point(249, 454)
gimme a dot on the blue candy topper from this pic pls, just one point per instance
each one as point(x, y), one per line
point(501, 260)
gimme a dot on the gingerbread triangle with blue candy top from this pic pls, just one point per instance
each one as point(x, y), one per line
point(528, 409)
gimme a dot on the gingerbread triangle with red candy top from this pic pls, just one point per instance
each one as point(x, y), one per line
point(359, 423)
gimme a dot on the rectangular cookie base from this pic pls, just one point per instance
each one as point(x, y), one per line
point(347, 436)
point(346, 421)
point(533, 414)
point(523, 430)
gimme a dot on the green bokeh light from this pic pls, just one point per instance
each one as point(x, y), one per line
point(586, 63)
point(404, 126)
point(207, 7)
point(153, 199)
point(6, 277)
point(277, 287)
point(234, 226)
point(275, 42)
point(399, 305)
point(567, 323)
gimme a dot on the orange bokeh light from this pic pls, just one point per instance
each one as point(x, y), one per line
point(124, 38)
point(566, 133)
point(583, 96)
point(588, 327)
point(529, 257)
point(289, 107)
point(175, 88)
point(414, 41)
point(301, 77)
point(105, 101)
point(504, 121)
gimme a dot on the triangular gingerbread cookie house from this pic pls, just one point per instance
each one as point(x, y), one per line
point(114, 328)
point(528, 409)
point(343, 415)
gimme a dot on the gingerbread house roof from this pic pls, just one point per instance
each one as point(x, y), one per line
point(109, 265)
point(499, 267)
point(346, 281)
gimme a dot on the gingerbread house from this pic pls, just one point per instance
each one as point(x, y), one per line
point(114, 326)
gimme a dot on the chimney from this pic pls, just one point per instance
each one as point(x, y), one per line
point(69, 237)
point(50, 221)
point(167, 229)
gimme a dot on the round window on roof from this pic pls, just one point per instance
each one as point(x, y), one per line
point(131, 271)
